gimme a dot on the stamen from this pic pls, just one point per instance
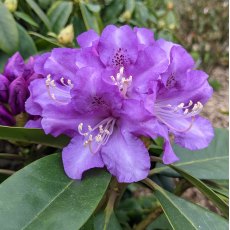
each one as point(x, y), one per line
point(167, 112)
point(62, 92)
point(103, 130)
point(121, 81)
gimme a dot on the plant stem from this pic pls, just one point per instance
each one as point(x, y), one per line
point(115, 194)
point(149, 219)
point(7, 171)
point(10, 156)
point(156, 159)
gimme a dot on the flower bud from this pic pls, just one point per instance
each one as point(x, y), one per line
point(29, 68)
point(126, 16)
point(66, 35)
point(6, 117)
point(4, 88)
point(170, 5)
point(11, 5)
point(18, 92)
point(14, 67)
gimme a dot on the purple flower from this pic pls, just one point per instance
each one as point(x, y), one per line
point(14, 84)
point(4, 85)
point(115, 88)
point(18, 93)
point(6, 117)
point(180, 94)
point(14, 67)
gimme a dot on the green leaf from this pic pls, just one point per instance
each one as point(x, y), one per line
point(3, 59)
point(208, 163)
point(59, 14)
point(26, 18)
point(209, 193)
point(50, 40)
point(27, 47)
point(8, 32)
point(112, 12)
point(219, 186)
point(44, 197)
point(39, 13)
point(182, 214)
point(90, 20)
point(113, 223)
point(160, 223)
point(36, 136)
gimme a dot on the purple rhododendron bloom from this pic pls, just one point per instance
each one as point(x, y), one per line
point(14, 83)
point(115, 88)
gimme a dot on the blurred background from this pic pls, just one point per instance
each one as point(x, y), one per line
point(201, 26)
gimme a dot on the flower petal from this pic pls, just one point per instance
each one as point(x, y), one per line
point(126, 157)
point(57, 122)
point(181, 60)
point(145, 36)
point(18, 93)
point(151, 62)
point(6, 118)
point(40, 62)
point(4, 88)
point(38, 98)
point(34, 124)
point(87, 57)
point(61, 63)
point(87, 38)
point(77, 158)
point(14, 67)
point(199, 136)
point(118, 46)
point(152, 128)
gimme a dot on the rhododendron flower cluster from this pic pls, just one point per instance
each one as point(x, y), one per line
point(114, 89)
point(14, 82)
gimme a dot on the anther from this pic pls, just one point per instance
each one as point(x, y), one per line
point(186, 112)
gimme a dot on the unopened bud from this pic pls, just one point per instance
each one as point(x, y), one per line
point(6, 117)
point(11, 5)
point(4, 88)
point(172, 26)
point(126, 16)
point(66, 35)
point(18, 93)
point(14, 67)
point(170, 5)
point(161, 24)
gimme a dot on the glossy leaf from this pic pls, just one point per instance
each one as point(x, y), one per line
point(39, 13)
point(113, 223)
point(209, 193)
point(3, 59)
point(44, 197)
point(59, 14)
point(27, 47)
point(208, 163)
point(26, 18)
point(160, 223)
point(8, 31)
point(50, 40)
point(113, 11)
point(89, 18)
point(219, 186)
point(182, 214)
point(36, 136)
